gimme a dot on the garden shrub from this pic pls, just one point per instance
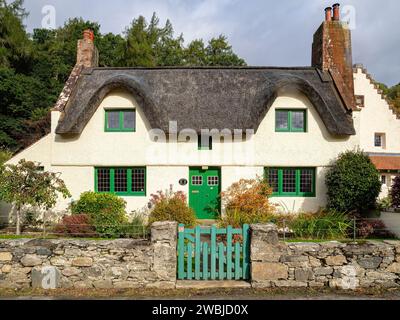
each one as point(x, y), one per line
point(247, 201)
point(372, 228)
point(106, 212)
point(321, 225)
point(78, 225)
point(395, 192)
point(171, 206)
point(384, 204)
point(353, 183)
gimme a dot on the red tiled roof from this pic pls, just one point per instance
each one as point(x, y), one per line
point(386, 162)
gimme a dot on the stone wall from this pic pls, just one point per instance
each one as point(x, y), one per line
point(328, 264)
point(91, 264)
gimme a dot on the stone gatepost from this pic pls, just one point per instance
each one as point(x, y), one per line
point(265, 254)
point(164, 241)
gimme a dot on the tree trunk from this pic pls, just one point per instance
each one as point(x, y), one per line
point(18, 222)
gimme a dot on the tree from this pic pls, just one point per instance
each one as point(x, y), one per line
point(395, 192)
point(220, 53)
point(25, 185)
point(353, 183)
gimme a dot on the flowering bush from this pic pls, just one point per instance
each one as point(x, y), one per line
point(247, 201)
point(171, 206)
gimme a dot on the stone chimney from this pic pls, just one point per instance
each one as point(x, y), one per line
point(87, 55)
point(332, 52)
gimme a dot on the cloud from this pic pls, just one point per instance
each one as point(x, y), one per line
point(269, 33)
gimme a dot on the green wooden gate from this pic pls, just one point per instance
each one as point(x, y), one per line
point(210, 253)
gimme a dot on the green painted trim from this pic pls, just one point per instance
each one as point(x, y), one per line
point(297, 194)
point(129, 193)
point(121, 127)
point(290, 124)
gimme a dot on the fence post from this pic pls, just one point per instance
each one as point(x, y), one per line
point(284, 230)
point(354, 229)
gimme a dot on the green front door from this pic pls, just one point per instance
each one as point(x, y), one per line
point(204, 190)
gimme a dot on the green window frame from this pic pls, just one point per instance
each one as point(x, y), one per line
point(290, 115)
point(121, 122)
point(300, 182)
point(205, 147)
point(121, 181)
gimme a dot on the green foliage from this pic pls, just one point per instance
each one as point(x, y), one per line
point(323, 225)
point(237, 218)
point(5, 155)
point(171, 206)
point(395, 192)
point(23, 184)
point(384, 204)
point(353, 183)
point(106, 212)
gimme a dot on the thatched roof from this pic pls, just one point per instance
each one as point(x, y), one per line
point(205, 98)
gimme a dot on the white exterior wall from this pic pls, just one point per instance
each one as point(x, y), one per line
point(167, 163)
point(376, 117)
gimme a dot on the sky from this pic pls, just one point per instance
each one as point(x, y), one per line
point(263, 32)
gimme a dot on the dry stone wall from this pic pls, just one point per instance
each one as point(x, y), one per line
point(328, 264)
point(91, 264)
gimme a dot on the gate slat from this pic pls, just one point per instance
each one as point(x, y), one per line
point(205, 261)
point(229, 253)
point(213, 252)
point(181, 252)
point(189, 261)
point(221, 258)
point(197, 254)
point(237, 261)
point(246, 250)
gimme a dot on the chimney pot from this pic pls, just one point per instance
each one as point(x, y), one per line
point(336, 12)
point(328, 14)
point(88, 35)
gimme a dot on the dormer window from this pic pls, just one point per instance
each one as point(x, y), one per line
point(290, 120)
point(380, 140)
point(205, 142)
point(120, 121)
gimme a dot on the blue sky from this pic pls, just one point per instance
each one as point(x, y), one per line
point(263, 32)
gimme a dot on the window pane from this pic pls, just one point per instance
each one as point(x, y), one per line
point(139, 180)
point(383, 180)
point(113, 119)
point(306, 180)
point(213, 181)
point(103, 180)
point(197, 180)
point(289, 180)
point(282, 120)
point(273, 179)
point(298, 120)
point(378, 140)
point(129, 120)
point(120, 180)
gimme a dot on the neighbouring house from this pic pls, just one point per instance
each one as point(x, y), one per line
point(134, 131)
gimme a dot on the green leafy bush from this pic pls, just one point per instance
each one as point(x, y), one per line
point(106, 212)
point(353, 183)
point(321, 225)
point(384, 203)
point(395, 192)
point(171, 206)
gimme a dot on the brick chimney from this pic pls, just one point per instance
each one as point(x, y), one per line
point(87, 55)
point(331, 51)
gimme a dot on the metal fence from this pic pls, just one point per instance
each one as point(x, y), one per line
point(355, 230)
point(54, 230)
